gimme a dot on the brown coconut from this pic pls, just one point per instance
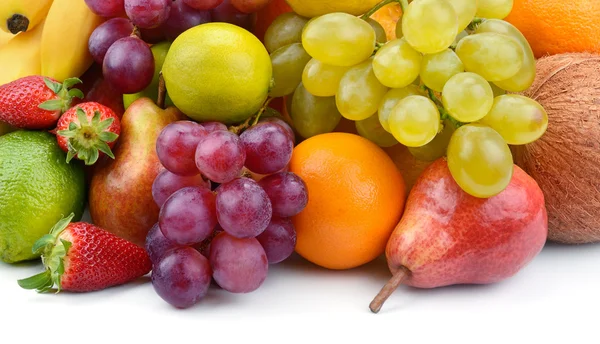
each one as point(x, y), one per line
point(566, 160)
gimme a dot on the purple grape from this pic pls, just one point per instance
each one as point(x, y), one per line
point(188, 216)
point(106, 34)
point(176, 147)
point(220, 156)
point(182, 18)
point(239, 265)
point(243, 208)
point(278, 240)
point(152, 36)
point(204, 246)
point(157, 245)
point(287, 192)
point(129, 65)
point(214, 126)
point(225, 12)
point(203, 5)
point(182, 277)
point(106, 8)
point(282, 123)
point(147, 14)
point(268, 148)
point(167, 183)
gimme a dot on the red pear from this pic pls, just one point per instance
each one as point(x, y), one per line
point(121, 189)
point(447, 236)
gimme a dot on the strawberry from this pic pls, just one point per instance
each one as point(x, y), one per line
point(86, 130)
point(36, 102)
point(80, 257)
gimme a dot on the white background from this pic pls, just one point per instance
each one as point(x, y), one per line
point(556, 298)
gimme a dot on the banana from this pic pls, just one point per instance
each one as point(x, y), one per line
point(22, 15)
point(21, 55)
point(4, 38)
point(67, 30)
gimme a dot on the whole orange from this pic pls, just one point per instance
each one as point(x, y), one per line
point(355, 199)
point(557, 26)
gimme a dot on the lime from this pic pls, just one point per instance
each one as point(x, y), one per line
point(159, 51)
point(218, 72)
point(37, 188)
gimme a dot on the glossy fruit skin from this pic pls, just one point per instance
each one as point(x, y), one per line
point(106, 34)
point(356, 197)
point(120, 194)
point(285, 29)
point(106, 8)
point(278, 240)
point(98, 259)
point(220, 156)
point(182, 277)
point(157, 245)
point(129, 65)
point(569, 26)
point(313, 115)
point(456, 245)
point(147, 14)
point(287, 193)
point(19, 101)
point(268, 148)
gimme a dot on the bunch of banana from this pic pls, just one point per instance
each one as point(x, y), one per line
point(55, 45)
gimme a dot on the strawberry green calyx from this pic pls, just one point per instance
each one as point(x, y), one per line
point(86, 140)
point(64, 92)
point(53, 251)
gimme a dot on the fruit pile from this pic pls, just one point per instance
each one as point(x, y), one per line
point(439, 88)
point(241, 227)
point(209, 139)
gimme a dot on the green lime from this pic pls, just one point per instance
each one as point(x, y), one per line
point(37, 188)
point(159, 51)
point(218, 72)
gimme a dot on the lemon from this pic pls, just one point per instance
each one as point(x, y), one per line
point(37, 188)
point(315, 8)
point(218, 72)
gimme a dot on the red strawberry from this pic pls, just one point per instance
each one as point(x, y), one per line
point(86, 130)
point(36, 102)
point(81, 257)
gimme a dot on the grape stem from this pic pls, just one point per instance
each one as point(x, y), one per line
point(403, 4)
point(162, 91)
point(239, 128)
point(474, 24)
point(136, 32)
point(443, 113)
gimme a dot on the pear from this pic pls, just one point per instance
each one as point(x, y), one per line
point(447, 236)
point(120, 198)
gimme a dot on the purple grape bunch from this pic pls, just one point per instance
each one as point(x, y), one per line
point(226, 197)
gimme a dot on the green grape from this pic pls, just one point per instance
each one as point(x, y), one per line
point(494, 56)
point(313, 115)
point(437, 147)
point(479, 160)
point(321, 79)
point(285, 29)
point(438, 68)
point(415, 121)
point(372, 130)
point(497, 90)
point(494, 9)
point(520, 120)
point(399, 33)
point(430, 26)
point(391, 98)
point(460, 36)
point(397, 64)
point(288, 64)
point(526, 75)
point(465, 9)
point(359, 93)
point(467, 97)
point(380, 35)
point(339, 39)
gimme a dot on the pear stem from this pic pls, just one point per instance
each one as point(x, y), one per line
point(388, 289)
point(162, 90)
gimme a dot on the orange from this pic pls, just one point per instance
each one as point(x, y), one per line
point(558, 26)
point(388, 17)
point(356, 198)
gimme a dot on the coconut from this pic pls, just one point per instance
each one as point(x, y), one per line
point(566, 160)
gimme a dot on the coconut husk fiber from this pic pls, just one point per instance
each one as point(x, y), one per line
point(566, 160)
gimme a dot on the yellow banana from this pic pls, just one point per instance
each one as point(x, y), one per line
point(4, 38)
point(21, 55)
point(67, 30)
point(22, 15)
